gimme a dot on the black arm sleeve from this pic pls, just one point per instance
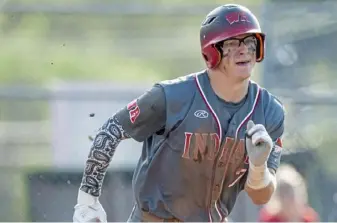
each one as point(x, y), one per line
point(139, 119)
point(101, 153)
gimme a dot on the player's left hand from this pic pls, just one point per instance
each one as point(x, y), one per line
point(258, 143)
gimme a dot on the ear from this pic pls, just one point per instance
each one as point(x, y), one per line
point(212, 56)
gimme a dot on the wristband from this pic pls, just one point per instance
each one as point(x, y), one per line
point(258, 176)
point(85, 198)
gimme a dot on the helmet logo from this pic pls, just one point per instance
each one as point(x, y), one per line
point(235, 17)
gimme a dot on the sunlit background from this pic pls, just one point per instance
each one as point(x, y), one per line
point(62, 60)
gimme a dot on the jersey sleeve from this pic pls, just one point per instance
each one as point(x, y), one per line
point(145, 115)
point(276, 133)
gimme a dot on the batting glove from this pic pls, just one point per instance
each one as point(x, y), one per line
point(258, 144)
point(88, 209)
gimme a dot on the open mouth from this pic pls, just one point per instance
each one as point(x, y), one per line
point(242, 63)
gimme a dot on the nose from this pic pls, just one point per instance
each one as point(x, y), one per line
point(243, 49)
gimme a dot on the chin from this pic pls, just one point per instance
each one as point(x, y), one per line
point(244, 75)
point(243, 72)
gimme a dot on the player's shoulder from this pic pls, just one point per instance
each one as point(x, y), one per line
point(179, 81)
point(271, 103)
point(273, 107)
point(180, 86)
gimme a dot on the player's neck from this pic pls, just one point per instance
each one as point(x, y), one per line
point(228, 89)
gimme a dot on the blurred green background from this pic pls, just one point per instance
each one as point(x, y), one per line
point(39, 47)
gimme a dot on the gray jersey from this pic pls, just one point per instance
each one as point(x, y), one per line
point(194, 163)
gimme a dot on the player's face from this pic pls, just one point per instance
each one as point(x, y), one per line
point(239, 56)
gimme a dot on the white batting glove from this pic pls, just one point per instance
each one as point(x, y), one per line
point(258, 144)
point(88, 209)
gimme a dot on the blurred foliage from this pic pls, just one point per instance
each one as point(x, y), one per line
point(39, 47)
point(152, 2)
point(33, 51)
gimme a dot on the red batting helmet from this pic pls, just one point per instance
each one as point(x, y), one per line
point(224, 22)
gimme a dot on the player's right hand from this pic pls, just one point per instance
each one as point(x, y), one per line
point(88, 209)
point(258, 143)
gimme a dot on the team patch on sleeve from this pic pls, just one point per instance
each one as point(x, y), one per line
point(134, 111)
point(278, 145)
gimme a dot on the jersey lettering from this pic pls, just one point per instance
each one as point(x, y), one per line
point(199, 146)
point(278, 145)
point(134, 111)
point(215, 143)
point(188, 136)
point(279, 142)
point(202, 146)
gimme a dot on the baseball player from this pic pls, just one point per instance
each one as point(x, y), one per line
point(206, 136)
